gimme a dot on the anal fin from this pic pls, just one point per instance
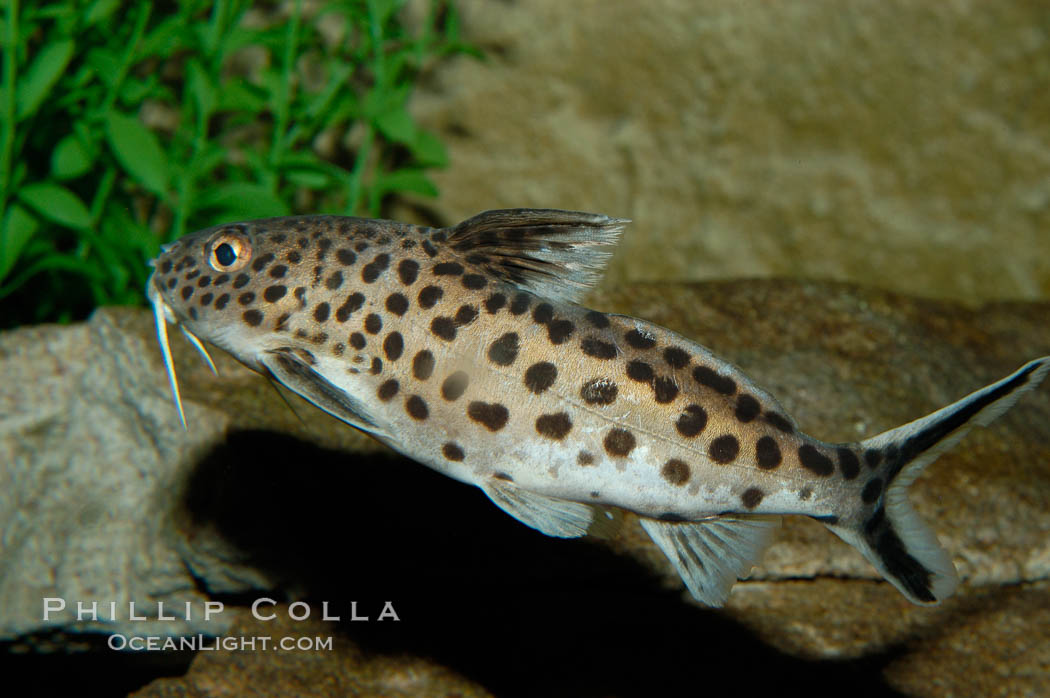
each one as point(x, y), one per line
point(560, 518)
point(712, 554)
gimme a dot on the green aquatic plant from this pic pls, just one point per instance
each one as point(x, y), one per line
point(124, 125)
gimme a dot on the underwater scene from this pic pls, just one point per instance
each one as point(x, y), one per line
point(476, 348)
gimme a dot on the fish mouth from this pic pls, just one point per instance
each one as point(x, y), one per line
point(162, 315)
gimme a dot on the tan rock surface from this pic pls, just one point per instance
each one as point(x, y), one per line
point(901, 144)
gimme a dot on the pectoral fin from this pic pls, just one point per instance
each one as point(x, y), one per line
point(712, 554)
point(293, 369)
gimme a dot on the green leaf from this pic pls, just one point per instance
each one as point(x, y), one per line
point(199, 86)
point(240, 200)
point(428, 150)
point(41, 76)
point(397, 126)
point(18, 226)
point(405, 181)
point(308, 179)
point(57, 204)
point(106, 64)
point(100, 10)
point(69, 159)
point(240, 96)
point(138, 151)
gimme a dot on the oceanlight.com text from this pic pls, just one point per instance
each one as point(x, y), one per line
point(206, 643)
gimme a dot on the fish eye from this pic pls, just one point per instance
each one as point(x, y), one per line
point(229, 251)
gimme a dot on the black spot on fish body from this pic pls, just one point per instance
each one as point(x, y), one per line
point(664, 389)
point(779, 421)
point(639, 339)
point(639, 371)
point(448, 269)
point(676, 358)
point(706, 376)
point(752, 497)
point(592, 346)
point(559, 330)
point(352, 304)
point(520, 303)
point(373, 323)
point(452, 451)
point(393, 346)
point(346, 257)
point(872, 458)
point(871, 491)
point(540, 376)
point(253, 317)
point(599, 391)
point(849, 464)
point(494, 303)
point(278, 271)
point(474, 282)
point(206, 299)
point(371, 271)
point(246, 298)
point(423, 365)
point(767, 453)
point(397, 304)
point(261, 263)
point(724, 449)
point(747, 408)
point(387, 390)
point(416, 408)
point(241, 281)
point(407, 271)
point(454, 386)
point(272, 294)
point(597, 320)
point(334, 281)
point(554, 426)
point(815, 461)
point(543, 313)
point(676, 472)
point(692, 421)
point(321, 312)
point(493, 416)
point(429, 248)
point(504, 350)
point(443, 327)
point(429, 296)
point(466, 314)
point(221, 301)
point(619, 442)
point(357, 340)
point(203, 281)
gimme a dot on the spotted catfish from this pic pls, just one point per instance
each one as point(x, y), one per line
point(464, 349)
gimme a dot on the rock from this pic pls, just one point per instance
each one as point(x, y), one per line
point(253, 498)
point(92, 460)
point(899, 144)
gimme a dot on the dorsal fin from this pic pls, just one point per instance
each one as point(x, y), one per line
point(555, 254)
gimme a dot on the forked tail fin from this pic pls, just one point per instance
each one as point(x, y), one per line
point(889, 532)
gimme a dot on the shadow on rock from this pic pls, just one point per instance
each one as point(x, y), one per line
point(476, 591)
